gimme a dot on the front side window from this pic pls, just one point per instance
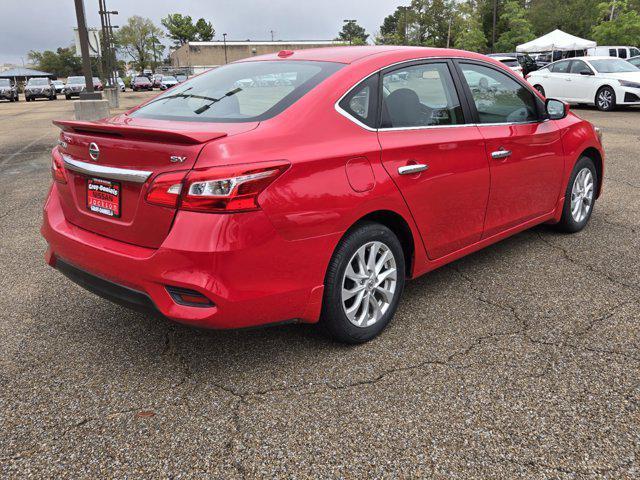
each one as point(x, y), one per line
point(635, 62)
point(498, 97)
point(622, 52)
point(634, 52)
point(239, 92)
point(420, 96)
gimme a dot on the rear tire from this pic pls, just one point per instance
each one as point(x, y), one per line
point(580, 197)
point(606, 99)
point(540, 89)
point(363, 284)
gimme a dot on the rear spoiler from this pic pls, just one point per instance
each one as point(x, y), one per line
point(138, 133)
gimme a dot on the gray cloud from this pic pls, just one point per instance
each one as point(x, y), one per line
point(47, 24)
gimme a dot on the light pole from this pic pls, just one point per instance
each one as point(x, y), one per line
point(224, 40)
point(89, 94)
point(347, 22)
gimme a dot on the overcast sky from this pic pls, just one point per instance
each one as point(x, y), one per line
point(48, 24)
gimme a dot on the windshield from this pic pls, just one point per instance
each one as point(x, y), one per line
point(169, 79)
point(75, 80)
point(612, 65)
point(57, 82)
point(96, 80)
point(239, 92)
point(38, 81)
point(4, 82)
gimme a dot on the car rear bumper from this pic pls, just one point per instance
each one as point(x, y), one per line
point(251, 274)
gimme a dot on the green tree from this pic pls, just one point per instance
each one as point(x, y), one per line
point(395, 28)
point(61, 63)
point(470, 34)
point(622, 29)
point(139, 40)
point(181, 29)
point(433, 22)
point(205, 30)
point(518, 28)
point(353, 33)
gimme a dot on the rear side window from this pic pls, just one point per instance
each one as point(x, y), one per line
point(420, 96)
point(498, 97)
point(362, 102)
point(612, 52)
point(560, 67)
point(239, 92)
point(622, 52)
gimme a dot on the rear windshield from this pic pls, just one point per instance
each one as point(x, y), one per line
point(75, 80)
point(38, 81)
point(142, 80)
point(239, 92)
point(612, 65)
point(512, 62)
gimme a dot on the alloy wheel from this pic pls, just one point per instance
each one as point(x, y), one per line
point(582, 195)
point(605, 99)
point(369, 284)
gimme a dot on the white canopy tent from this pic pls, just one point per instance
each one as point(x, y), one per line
point(556, 40)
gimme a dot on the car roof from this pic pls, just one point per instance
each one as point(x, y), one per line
point(501, 58)
point(349, 55)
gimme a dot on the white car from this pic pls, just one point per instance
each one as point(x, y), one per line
point(121, 84)
point(511, 62)
point(168, 81)
point(601, 81)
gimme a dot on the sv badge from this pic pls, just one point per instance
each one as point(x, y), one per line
point(177, 159)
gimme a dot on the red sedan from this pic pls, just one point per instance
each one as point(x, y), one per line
point(309, 186)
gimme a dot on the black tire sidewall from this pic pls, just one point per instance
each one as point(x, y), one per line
point(613, 96)
point(333, 318)
point(567, 222)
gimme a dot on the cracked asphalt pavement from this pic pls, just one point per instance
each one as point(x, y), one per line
point(520, 361)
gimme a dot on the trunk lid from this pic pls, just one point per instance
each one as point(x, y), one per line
point(130, 154)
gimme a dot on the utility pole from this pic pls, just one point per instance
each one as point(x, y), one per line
point(224, 40)
point(449, 32)
point(89, 94)
point(107, 36)
point(493, 33)
point(272, 34)
point(347, 22)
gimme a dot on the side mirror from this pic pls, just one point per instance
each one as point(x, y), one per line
point(557, 109)
point(586, 72)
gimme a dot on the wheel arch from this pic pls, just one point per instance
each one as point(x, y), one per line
point(400, 227)
point(595, 155)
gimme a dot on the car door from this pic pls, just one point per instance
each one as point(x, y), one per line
point(434, 154)
point(523, 149)
point(582, 82)
point(558, 85)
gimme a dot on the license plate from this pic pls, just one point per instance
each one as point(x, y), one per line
point(103, 197)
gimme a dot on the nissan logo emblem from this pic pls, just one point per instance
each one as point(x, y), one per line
point(94, 151)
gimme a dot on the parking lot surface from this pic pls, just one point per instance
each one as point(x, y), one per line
point(520, 361)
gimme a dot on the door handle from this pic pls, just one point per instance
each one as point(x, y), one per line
point(500, 154)
point(411, 169)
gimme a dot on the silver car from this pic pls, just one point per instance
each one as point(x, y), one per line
point(8, 90)
point(39, 88)
point(74, 86)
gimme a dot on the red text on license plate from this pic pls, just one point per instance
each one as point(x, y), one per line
point(103, 197)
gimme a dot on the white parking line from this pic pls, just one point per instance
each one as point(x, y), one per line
point(15, 154)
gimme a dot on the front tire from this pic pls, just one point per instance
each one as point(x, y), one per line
point(363, 284)
point(579, 197)
point(606, 99)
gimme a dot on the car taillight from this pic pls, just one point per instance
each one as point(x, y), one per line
point(57, 168)
point(231, 188)
point(165, 189)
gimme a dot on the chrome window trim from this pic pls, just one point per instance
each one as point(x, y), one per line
point(350, 117)
point(112, 173)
